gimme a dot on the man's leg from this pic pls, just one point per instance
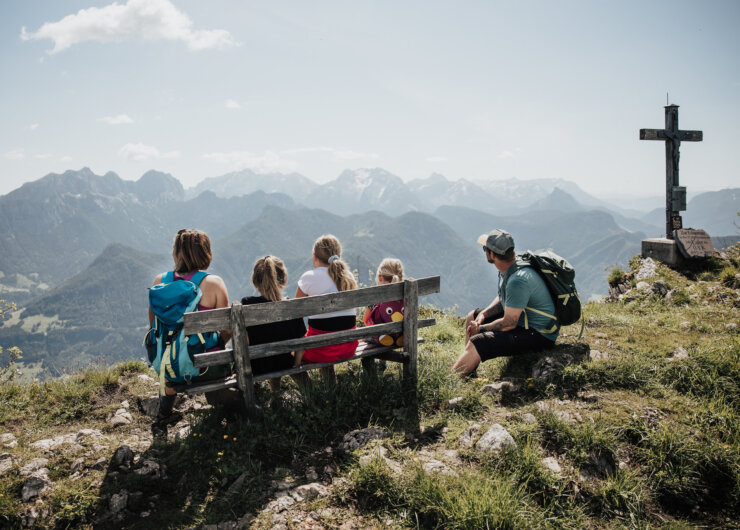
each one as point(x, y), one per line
point(468, 361)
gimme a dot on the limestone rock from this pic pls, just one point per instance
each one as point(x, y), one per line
point(311, 474)
point(454, 403)
point(118, 501)
point(659, 287)
point(529, 418)
point(495, 439)
point(312, 490)
point(548, 366)
point(121, 417)
point(468, 436)
point(149, 405)
point(35, 485)
point(6, 463)
point(122, 457)
point(648, 269)
point(361, 437)
point(642, 286)
point(551, 464)
point(7, 439)
point(596, 355)
point(435, 466)
point(35, 465)
point(149, 468)
point(499, 386)
point(679, 353)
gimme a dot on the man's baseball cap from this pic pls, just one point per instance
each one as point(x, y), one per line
point(498, 241)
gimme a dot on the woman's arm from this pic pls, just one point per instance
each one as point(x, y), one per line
point(366, 316)
point(216, 296)
point(299, 293)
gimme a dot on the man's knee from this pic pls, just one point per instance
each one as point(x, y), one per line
point(468, 361)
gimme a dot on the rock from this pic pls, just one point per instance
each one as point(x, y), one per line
point(468, 436)
point(77, 466)
point(88, 433)
point(642, 286)
point(499, 386)
point(134, 499)
point(118, 501)
point(731, 326)
point(122, 457)
point(659, 287)
point(149, 468)
point(546, 367)
point(149, 405)
point(648, 269)
point(551, 464)
point(361, 437)
point(34, 486)
point(7, 439)
point(236, 485)
point(590, 397)
point(6, 463)
point(121, 417)
point(311, 474)
point(35, 465)
point(454, 403)
point(495, 439)
point(596, 355)
point(529, 418)
point(283, 485)
point(679, 353)
point(623, 466)
point(568, 417)
point(435, 466)
point(280, 504)
point(147, 380)
point(312, 490)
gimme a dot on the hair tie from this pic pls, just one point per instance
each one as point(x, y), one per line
point(332, 259)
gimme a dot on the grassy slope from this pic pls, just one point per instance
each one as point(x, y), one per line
point(656, 441)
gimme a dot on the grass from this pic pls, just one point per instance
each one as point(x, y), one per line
point(656, 441)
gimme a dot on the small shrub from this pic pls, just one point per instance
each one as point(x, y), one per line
point(616, 276)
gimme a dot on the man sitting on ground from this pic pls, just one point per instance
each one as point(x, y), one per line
point(518, 320)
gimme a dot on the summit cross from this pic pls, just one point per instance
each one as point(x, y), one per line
point(675, 201)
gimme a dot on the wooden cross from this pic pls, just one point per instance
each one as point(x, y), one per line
point(675, 200)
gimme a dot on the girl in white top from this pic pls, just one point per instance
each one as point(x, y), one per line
point(329, 275)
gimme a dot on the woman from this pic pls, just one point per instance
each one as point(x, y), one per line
point(269, 277)
point(191, 252)
point(329, 275)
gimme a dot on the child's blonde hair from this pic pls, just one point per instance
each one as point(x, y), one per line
point(269, 276)
point(326, 248)
point(391, 270)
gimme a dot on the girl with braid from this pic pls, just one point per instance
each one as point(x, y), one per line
point(269, 277)
point(329, 275)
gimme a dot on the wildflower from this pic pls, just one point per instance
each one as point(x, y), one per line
point(220, 453)
point(234, 438)
point(226, 436)
point(195, 435)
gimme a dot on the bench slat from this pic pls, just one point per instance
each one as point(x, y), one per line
point(215, 358)
point(210, 386)
point(217, 319)
point(363, 351)
point(337, 337)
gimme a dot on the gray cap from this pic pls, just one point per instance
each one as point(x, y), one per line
point(498, 241)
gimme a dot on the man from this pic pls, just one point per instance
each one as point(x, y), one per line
point(519, 320)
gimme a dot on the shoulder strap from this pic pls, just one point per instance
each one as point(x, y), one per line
point(198, 277)
point(168, 277)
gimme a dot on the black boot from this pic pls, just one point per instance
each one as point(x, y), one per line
point(165, 416)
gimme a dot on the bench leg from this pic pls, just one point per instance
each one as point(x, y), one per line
point(369, 366)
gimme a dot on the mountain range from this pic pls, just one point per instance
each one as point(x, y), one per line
point(78, 250)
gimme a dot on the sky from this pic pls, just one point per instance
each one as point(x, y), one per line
point(478, 90)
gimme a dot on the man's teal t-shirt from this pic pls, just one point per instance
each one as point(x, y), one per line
point(522, 287)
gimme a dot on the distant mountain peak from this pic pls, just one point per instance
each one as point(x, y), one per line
point(557, 200)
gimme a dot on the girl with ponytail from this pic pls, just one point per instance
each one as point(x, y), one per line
point(269, 277)
point(329, 275)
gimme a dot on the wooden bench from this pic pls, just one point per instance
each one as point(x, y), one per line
point(238, 316)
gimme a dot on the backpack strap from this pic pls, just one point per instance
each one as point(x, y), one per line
point(198, 277)
point(168, 277)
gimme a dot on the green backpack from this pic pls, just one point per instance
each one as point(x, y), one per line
point(559, 277)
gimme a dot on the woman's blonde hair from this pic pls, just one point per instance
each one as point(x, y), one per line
point(391, 270)
point(269, 276)
point(191, 251)
point(327, 248)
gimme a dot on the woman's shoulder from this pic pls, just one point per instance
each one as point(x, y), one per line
point(249, 300)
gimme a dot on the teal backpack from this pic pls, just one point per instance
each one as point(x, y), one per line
point(559, 277)
point(169, 350)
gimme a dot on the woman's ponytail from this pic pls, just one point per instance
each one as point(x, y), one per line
point(328, 250)
point(269, 276)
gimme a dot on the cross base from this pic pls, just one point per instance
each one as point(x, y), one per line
point(664, 250)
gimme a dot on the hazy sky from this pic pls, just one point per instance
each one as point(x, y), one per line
point(470, 89)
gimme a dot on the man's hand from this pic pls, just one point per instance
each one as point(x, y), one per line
point(476, 323)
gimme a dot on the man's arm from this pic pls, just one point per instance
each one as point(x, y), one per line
point(506, 323)
point(474, 326)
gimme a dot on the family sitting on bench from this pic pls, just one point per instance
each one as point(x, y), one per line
point(192, 254)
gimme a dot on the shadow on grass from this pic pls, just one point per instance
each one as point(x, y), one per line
point(223, 467)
